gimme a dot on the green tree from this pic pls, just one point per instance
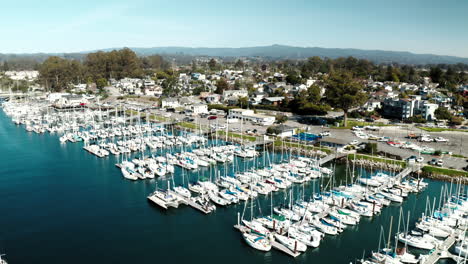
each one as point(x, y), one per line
point(293, 78)
point(243, 102)
point(344, 92)
point(239, 65)
point(314, 94)
point(281, 118)
point(456, 120)
point(101, 83)
point(57, 73)
point(442, 113)
point(221, 86)
point(212, 64)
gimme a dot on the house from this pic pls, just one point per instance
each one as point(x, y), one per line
point(272, 100)
point(170, 103)
point(310, 82)
point(249, 115)
point(283, 131)
point(230, 94)
point(198, 108)
point(257, 98)
point(213, 98)
point(372, 105)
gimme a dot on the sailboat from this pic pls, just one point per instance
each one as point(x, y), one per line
point(257, 241)
point(2, 260)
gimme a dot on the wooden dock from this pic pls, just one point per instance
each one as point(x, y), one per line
point(274, 243)
point(331, 157)
point(441, 251)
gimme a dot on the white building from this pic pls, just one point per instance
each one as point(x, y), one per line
point(52, 97)
point(249, 115)
point(234, 94)
point(198, 108)
point(428, 111)
point(22, 75)
point(170, 103)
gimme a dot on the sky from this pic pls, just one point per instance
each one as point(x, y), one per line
point(429, 26)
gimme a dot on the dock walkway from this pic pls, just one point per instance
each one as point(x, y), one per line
point(441, 251)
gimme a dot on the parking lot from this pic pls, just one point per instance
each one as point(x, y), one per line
point(455, 143)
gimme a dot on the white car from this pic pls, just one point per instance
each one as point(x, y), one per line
point(325, 134)
point(354, 142)
point(420, 159)
point(426, 139)
point(440, 139)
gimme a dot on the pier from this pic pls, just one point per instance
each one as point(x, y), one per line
point(331, 157)
point(441, 251)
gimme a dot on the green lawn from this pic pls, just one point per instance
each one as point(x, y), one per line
point(444, 171)
point(187, 125)
point(235, 135)
point(377, 159)
point(352, 123)
point(440, 129)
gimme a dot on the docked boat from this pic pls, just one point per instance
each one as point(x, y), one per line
point(256, 241)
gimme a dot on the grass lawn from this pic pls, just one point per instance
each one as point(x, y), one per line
point(231, 135)
point(377, 159)
point(352, 123)
point(444, 171)
point(440, 129)
point(188, 125)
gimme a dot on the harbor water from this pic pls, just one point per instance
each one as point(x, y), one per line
point(60, 204)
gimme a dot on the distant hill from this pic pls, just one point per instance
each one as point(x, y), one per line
point(273, 52)
point(290, 52)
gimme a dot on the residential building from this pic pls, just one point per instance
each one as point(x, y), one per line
point(198, 108)
point(170, 103)
point(272, 100)
point(249, 115)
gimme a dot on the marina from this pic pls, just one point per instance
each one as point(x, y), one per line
point(310, 187)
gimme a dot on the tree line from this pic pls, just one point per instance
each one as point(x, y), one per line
point(57, 73)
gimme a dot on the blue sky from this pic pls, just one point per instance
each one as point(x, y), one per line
point(430, 26)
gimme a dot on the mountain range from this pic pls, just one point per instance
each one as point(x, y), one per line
point(276, 52)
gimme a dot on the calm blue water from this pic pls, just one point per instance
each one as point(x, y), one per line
point(60, 204)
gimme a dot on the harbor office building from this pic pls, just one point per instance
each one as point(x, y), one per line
point(249, 115)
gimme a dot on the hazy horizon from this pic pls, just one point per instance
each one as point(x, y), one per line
point(420, 27)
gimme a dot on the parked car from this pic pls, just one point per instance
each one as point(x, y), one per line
point(440, 139)
point(354, 142)
point(440, 163)
point(426, 139)
point(433, 162)
point(325, 134)
point(212, 117)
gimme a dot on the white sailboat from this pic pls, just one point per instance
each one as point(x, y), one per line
point(256, 241)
